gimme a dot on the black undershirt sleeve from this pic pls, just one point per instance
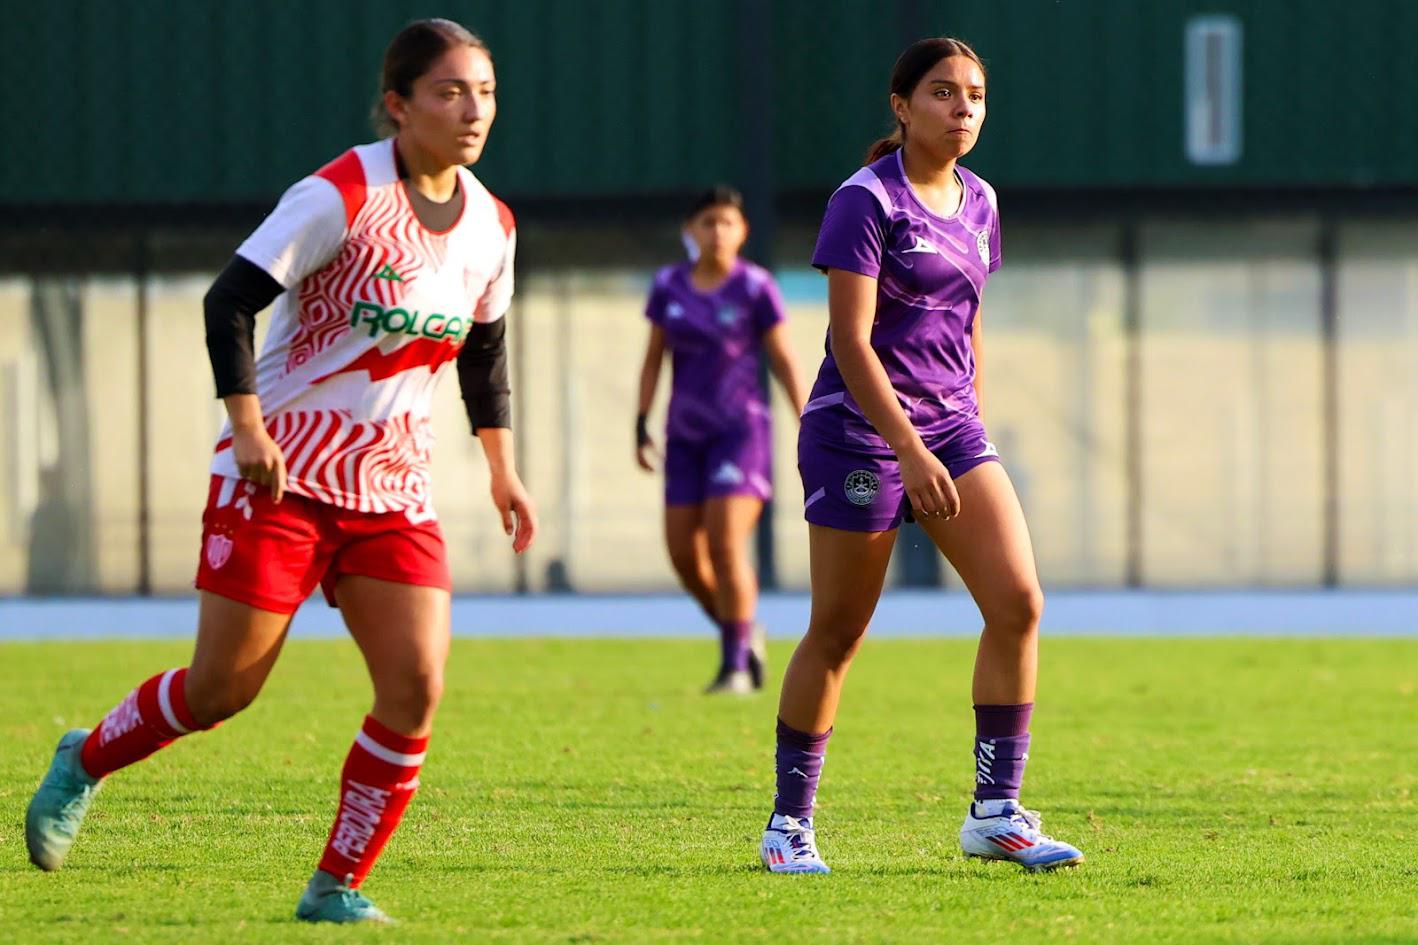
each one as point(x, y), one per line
point(482, 376)
point(230, 306)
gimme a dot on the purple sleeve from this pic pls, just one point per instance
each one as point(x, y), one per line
point(655, 304)
point(852, 234)
point(768, 307)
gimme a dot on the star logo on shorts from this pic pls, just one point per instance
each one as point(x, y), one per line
point(243, 502)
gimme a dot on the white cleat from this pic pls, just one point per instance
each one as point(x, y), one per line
point(758, 655)
point(790, 846)
point(735, 682)
point(1002, 830)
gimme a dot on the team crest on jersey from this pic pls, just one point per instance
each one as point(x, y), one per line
point(674, 310)
point(218, 550)
point(861, 486)
point(982, 243)
point(728, 315)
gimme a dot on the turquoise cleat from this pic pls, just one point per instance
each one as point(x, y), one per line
point(58, 807)
point(326, 899)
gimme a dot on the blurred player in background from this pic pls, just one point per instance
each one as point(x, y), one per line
point(893, 429)
point(715, 314)
point(385, 265)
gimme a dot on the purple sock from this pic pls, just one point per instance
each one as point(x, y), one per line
point(1001, 749)
point(800, 758)
point(734, 636)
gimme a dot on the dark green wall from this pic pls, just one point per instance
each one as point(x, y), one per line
point(146, 102)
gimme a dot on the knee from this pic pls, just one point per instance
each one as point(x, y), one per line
point(684, 560)
point(214, 702)
point(836, 645)
point(725, 554)
point(410, 705)
point(1017, 612)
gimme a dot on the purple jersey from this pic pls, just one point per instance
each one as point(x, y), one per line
point(930, 273)
point(714, 340)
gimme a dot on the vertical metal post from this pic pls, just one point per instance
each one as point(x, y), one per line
point(1328, 253)
point(142, 271)
point(561, 573)
point(520, 438)
point(1132, 387)
point(755, 101)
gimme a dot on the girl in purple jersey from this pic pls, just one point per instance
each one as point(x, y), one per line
point(715, 314)
point(893, 430)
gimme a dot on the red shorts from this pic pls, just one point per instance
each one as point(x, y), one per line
point(271, 556)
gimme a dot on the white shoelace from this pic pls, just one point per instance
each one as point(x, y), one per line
point(802, 841)
point(1032, 819)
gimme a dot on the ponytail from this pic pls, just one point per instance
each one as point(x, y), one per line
point(884, 146)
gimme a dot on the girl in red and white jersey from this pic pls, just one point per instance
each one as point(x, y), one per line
point(385, 265)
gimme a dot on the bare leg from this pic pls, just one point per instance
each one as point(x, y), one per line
point(404, 633)
point(237, 647)
point(988, 545)
point(848, 572)
point(729, 523)
point(688, 544)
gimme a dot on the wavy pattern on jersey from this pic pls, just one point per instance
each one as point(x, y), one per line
point(365, 466)
point(384, 233)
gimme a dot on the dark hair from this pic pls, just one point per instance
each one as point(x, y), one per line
point(410, 54)
point(720, 195)
point(911, 66)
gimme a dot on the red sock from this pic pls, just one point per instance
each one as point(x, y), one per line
point(379, 779)
point(153, 715)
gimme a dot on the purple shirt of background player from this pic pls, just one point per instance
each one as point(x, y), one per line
point(715, 340)
point(716, 315)
point(930, 273)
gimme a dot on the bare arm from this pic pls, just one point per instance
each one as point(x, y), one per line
point(851, 307)
point(650, 368)
point(649, 380)
point(258, 457)
point(784, 366)
point(519, 515)
point(977, 346)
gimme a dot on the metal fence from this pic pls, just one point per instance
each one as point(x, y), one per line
point(1180, 402)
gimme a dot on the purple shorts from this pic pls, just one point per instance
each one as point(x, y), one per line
point(739, 462)
point(861, 492)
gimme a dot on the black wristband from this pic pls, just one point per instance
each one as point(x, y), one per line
point(642, 434)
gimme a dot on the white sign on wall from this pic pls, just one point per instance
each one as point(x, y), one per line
point(1213, 90)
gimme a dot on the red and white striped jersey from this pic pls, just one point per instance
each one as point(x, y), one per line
point(376, 306)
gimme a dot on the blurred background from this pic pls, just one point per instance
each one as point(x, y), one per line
point(1202, 368)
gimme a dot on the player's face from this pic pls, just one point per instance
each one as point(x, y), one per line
point(452, 105)
point(947, 108)
point(719, 232)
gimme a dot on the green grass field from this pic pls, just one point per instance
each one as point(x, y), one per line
point(583, 792)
